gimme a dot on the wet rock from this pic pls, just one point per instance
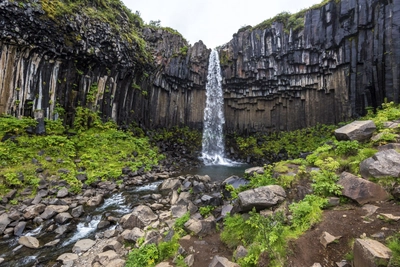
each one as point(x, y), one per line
point(258, 170)
point(29, 241)
point(4, 222)
point(63, 192)
point(133, 235)
point(95, 201)
point(77, 212)
point(104, 258)
point(19, 229)
point(383, 164)
point(33, 211)
point(103, 224)
point(361, 190)
point(140, 217)
point(112, 245)
point(63, 218)
point(259, 198)
point(222, 262)
point(370, 253)
point(326, 239)
point(52, 243)
point(83, 245)
point(67, 258)
point(357, 130)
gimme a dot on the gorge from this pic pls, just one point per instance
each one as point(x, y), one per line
point(276, 76)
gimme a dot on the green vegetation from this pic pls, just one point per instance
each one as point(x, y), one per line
point(151, 254)
point(206, 211)
point(393, 243)
point(97, 150)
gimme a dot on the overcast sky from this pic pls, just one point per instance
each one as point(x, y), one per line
point(212, 21)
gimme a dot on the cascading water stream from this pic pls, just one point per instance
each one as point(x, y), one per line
point(213, 146)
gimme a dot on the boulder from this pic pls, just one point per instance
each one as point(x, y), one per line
point(112, 245)
point(83, 245)
point(383, 164)
point(357, 130)
point(52, 243)
point(370, 253)
point(141, 217)
point(326, 239)
point(33, 211)
point(361, 190)
point(63, 218)
point(170, 184)
point(189, 260)
point(116, 263)
point(260, 198)
point(95, 201)
point(178, 210)
point(222, 262)
point(28, 241)
point(63, 192)
point(77, 212)
point(19, 228)
point(106, 257)
point(251, 171)
point(132, 235)
point(4, 222)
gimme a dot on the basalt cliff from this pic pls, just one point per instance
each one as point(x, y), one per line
point(344, 59)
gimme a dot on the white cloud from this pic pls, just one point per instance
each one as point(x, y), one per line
point(212, 21)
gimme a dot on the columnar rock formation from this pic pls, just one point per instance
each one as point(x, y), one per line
point(345, 59)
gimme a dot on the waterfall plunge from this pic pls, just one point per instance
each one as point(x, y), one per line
point(213, 139)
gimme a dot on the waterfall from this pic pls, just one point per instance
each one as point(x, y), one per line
point(213, 139)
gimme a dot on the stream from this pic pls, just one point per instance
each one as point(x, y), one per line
point(116, 205)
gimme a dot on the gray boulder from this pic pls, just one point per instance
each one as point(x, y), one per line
point(383, 164)
point(258, 170)
point(357, 130)
point(370, 253)
point(171, 184)
point(19, 228)
point(201, 227)
point(178, 211)
point(63, 218)
point(361, 190)
point(77, 212)
point(63, 192)
point(33, 211)
point(132, 235)
point(259, 198)
point(67, 258)
point(95, 201)
point(112, 245)
point(105, 257)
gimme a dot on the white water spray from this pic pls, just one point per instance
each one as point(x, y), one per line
point(213, 139)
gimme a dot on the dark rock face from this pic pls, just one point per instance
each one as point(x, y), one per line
point(344, 60)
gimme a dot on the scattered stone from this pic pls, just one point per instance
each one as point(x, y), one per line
point(326, 239)
point(63, 192)
point(33, 211)
point(260, 198)
point(83, 245)
point(370, 209)
point(357, 130)
point(110, 233)
point(370, 253)
point(240, 252)
point(222, 262)
point(361, 190)
point(316, 265)
point(164, 264)
point(29, 241)
point(116, 263)
point(201, 227)
point(103, 224)
point(178, 211)
point(133, 235)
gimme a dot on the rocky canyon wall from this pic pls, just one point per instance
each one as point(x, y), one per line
point(50, 67)
point(345, 59)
